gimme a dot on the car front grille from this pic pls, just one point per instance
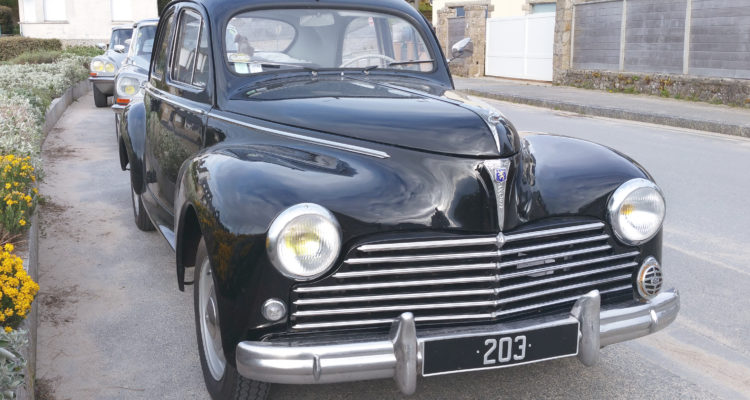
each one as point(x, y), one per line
point(466, 279)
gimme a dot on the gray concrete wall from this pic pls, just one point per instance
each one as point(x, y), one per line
point(720, 38)
point(597, 43)
point(655, 35)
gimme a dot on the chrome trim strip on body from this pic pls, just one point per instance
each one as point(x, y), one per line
point(428, 244)
point(158, 94)
point(322, 142)
point(414, 270)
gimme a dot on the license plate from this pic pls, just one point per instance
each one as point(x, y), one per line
point(503, 349)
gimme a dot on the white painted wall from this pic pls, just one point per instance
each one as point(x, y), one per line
point(80, 20)
point(529, 54)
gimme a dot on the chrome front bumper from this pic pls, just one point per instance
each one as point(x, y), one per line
point(400, 355)
point(105, 84)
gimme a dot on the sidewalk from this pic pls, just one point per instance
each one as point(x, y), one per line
point(644, 108)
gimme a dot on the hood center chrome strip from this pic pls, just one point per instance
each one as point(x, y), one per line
point(498, 171)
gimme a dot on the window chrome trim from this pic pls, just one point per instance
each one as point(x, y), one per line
point(323, 142)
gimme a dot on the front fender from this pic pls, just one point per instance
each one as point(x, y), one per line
point(556, 176)
point(133, 136)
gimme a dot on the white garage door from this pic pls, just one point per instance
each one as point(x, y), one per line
point(521, 47)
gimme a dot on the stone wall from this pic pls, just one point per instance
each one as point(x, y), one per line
point(475, 27)
point(712, 90)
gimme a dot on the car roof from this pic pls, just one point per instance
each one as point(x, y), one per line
point(148, 21)
point(224, 7)
point(114, 28)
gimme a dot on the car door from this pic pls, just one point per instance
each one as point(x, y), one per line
point(178, 100)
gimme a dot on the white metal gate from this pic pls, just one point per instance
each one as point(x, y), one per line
point(521, 47)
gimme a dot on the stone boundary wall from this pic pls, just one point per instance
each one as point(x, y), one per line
point(712, 90)
point(31, 258)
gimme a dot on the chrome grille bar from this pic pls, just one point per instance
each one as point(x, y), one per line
point(466, 279)
point(454, 317)
point(431, 244)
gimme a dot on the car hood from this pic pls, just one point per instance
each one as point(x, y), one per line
point(416, 116)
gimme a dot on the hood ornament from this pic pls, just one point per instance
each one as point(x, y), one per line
point(498, 171)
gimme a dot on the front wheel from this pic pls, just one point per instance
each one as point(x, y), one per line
point(222, 379)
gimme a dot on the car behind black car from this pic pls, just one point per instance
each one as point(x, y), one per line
point(343, 214)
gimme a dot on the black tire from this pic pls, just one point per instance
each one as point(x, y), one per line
point(231, 386)
point(100, 99)
point(141, 218)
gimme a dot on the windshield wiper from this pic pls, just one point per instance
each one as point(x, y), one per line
point(279, 65)
point(372, 67)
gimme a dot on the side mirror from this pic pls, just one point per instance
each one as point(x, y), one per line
point(101, 46)
point(458, 49)
point(119, 48)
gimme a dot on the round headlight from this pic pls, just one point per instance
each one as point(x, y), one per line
point(126, 87)
point(304, 241)
point(636, 211)
point(97, 66)
point(109, 67)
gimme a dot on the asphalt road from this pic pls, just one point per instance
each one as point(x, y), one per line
point(114, 326)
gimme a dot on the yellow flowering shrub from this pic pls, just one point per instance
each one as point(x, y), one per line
point(18, 196)
point(17, 290)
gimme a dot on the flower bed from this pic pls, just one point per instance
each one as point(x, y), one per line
point(26, 91)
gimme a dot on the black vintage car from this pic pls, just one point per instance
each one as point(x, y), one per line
point(343, 214)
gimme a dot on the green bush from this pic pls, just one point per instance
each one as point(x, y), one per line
point(36, 57)
point(85, 51)
point(11, 47)
point(6, 19)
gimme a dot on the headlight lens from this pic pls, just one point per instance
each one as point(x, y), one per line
point(109, 67)
point(304, 241)
point(127, 87)
point(97, 66)
point(636, 211)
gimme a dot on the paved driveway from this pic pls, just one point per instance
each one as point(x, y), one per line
point(114, 325)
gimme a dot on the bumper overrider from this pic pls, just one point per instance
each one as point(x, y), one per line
point(400, 355)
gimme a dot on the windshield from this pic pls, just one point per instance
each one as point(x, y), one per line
point(270, 40)
point(119, 36)
point(142, 46)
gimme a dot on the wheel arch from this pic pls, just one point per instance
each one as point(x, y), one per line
point(133, 142)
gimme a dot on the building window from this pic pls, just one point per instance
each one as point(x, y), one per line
point(122, 10)
point(29, 11)
point(55, 10)
point(543, 8)
point(460, 12)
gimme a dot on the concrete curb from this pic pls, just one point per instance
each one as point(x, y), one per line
point(31, 260)
point(609, 112)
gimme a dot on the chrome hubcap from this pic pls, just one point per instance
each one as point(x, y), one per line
point(209, 321)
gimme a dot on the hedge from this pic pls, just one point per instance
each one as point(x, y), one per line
point(10, 47)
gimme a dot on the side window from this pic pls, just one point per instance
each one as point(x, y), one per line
point(202, 61)
point(186, 52)
point(160, 58)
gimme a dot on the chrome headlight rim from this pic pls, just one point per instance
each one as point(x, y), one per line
point(105, 63)
point(120, 80)
point(287, 217)
point(619, 197)
point(97, 65)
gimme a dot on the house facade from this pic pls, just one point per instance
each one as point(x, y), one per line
point(499, 8)
point(80, 21)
